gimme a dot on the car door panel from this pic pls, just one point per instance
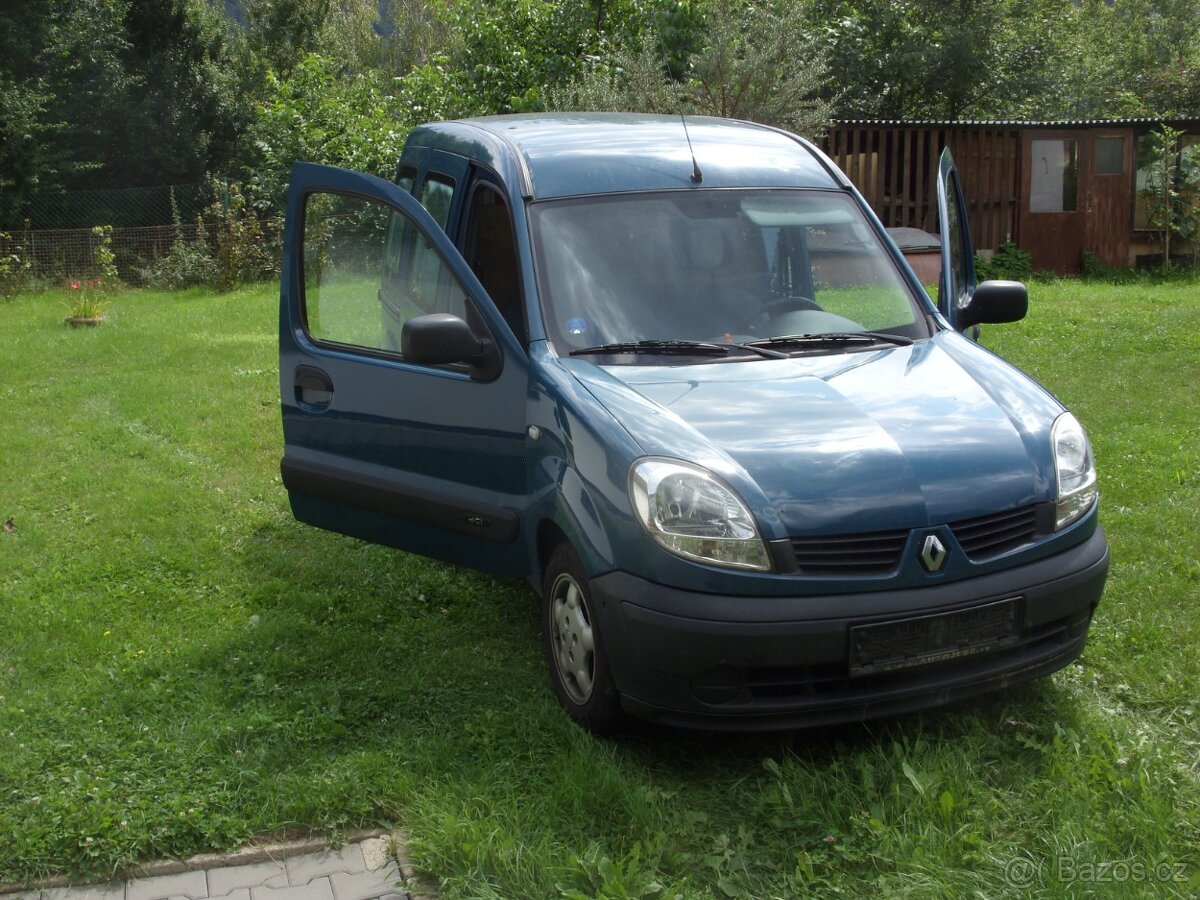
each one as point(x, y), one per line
point(418, 457)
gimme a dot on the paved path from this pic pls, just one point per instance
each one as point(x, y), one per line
point(366, 869)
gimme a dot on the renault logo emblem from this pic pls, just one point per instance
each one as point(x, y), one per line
point(933, 553)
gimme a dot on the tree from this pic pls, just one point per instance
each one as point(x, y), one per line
point(1129, 58)
point(938, 59)
point(755, 63)
point(316, 114)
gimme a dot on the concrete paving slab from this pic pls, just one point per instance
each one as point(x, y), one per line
point(192, 885)
point(316, 889)
point(224, 879)
point(303, 869)
point(112, 891)
point(366, 885)
point(366, 869)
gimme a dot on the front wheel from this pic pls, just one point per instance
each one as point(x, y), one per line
point(579, 669)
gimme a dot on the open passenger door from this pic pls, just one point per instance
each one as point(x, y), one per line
point(403, 389)
point(961, 300)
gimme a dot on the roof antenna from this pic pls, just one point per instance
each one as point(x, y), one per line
point(697, 175)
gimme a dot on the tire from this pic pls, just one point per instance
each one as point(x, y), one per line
point(579, 669)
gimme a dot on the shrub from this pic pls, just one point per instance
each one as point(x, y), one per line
point(1008, 262)
point(247, 249)
point(187, 263)
point(15, 267)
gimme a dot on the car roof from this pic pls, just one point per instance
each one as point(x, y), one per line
point(551, 155)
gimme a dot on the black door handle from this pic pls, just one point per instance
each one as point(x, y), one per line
point(314, 389)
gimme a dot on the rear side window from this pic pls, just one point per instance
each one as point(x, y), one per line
point(367, 270)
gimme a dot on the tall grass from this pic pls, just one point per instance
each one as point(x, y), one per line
point(183, 667)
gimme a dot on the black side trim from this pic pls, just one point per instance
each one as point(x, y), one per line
point(479, 520)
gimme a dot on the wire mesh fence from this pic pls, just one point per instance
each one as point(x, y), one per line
point(119, 207)
point(61, 254)
point(54, 243)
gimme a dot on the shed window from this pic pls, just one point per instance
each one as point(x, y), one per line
point(1054, 176)
point(1147, 163)
point(1110, 156)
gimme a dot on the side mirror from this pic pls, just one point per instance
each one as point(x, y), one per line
point(441, 339)
point(995, 301)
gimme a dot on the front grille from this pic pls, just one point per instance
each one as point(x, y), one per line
point(989, 536)
point(876, 553)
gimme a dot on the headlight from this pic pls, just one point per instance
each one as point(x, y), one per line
point(690, 512)
point(1075, 469)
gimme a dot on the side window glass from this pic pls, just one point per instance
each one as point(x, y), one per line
point(367, 270)
point(492, 254)
point(407, 178)
point(436, 195)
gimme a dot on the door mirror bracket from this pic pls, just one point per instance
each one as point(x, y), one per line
point(442, 339)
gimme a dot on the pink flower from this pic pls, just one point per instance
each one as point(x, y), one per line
point(74, 285)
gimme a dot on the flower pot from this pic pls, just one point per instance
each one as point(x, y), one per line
point(84, 321)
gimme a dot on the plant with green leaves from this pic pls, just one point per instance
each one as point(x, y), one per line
point(1009, 261)
point(248, 247)
point(1172, 191)
point(104, 257)
point(15, 267)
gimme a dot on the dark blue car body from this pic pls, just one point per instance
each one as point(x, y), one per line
point(912, 538)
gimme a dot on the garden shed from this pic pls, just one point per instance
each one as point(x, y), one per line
point(1058, 190)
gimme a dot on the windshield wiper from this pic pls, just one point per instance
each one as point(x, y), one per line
point(836, 338)
point(680, 348)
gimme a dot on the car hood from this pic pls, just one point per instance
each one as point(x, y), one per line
point(898, 437)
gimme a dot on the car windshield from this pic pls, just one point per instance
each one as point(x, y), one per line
point(715, 266)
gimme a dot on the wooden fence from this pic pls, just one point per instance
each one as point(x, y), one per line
point(895, 167)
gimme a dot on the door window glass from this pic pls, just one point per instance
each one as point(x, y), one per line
point(367, 270)
point(1054, 176)
point(960, 290)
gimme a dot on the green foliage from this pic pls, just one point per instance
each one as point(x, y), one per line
point(15, 267)
point(512, 56)
point(1008, 262)
point(187, 263)
point(942, 59)
point(104, 258)
point(758, 63)
point(318, 115)
point(247, 248)
point(1127, 58)
point(749, 67)
point(1172, 190)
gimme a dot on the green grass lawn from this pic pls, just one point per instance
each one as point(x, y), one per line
point(183, 667)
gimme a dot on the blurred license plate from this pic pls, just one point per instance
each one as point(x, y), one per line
point(923, 640)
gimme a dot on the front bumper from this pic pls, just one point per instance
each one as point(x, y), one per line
point(729, 662)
